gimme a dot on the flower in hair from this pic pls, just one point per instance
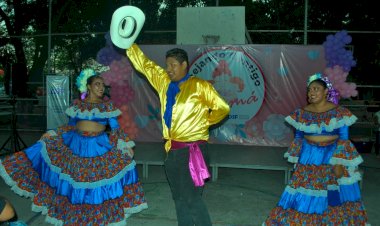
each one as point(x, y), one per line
point(333, 94)
point(314, 77)
point(81, 81)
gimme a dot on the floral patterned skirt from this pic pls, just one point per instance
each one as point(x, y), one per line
point(314, 195)
point(98, 186)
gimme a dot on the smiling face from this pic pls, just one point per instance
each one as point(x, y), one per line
point(177, 62)
point(316, 93)
point(175, 69)
point(96, 88)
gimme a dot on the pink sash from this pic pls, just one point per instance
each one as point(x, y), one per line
point(198, 169)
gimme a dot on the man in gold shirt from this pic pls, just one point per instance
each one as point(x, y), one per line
point(189, 106)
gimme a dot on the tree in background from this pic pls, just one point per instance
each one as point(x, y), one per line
point(78, 29)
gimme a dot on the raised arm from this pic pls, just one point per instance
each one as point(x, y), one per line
point(155, 74)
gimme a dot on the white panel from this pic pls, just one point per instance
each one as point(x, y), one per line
point(226, 24)
point(58, 96)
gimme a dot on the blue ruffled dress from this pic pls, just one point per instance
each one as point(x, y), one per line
point(79, 178)
point(314, 195)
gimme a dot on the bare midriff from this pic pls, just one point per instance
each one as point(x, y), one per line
point(90, 126)
point(321, 138)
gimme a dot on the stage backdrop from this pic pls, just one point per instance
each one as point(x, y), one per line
point(261, 83)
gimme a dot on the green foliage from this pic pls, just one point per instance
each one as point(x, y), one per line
point(78, 28)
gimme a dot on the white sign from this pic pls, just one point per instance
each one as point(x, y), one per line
point(58, 97)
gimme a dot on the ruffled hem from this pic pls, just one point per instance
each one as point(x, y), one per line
point(12, 184)
point(316, 201)
point(291, 159)
point(349, 213)
point(123, 222)
point(346, 154)
point(35, 164)
point(90, 111)
point(346, 162)
point(294, 150)
point(351, 179)
point(304, 200)
point(60, 211)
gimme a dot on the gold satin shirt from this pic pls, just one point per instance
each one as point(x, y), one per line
point(198, 105)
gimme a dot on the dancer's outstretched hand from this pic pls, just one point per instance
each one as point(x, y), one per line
point(338, 170)
point(45, 135)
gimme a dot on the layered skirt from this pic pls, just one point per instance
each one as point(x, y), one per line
point(314, 195)
point(78, 178)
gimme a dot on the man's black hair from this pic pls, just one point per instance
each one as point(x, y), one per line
point(178, 54)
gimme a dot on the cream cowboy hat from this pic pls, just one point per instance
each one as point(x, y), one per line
point(126, 24)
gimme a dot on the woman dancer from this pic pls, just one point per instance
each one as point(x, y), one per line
point(79, 174)
point(324, 187)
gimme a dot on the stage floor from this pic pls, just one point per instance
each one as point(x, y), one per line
point(240, 197)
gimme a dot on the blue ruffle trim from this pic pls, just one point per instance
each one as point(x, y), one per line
point(86, 146)
point(312, 201)
point(316, 155)
point(303, 202)
point(350, 192)
point(312, 127)
point(79, 192)
point(128, 212)
point(302, 151)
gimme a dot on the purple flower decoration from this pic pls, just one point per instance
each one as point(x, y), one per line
point(336, 53)
point(108, 54)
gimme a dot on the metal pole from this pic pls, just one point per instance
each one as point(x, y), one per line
point(49, 40)
point(305, 22)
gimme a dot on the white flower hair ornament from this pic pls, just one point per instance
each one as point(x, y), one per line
point(81, 81)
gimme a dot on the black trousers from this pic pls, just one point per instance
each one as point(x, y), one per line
point(190, 207)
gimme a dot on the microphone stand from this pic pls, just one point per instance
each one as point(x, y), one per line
point(14, 138)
